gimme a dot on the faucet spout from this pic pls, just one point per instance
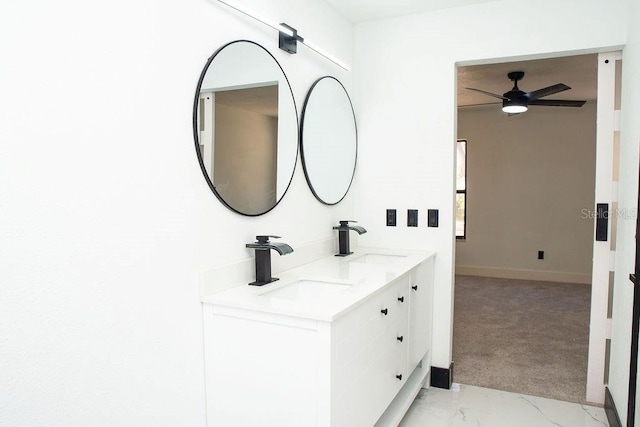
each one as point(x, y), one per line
point(344, 225)
point(358, 229)
point(281, 248)
point(263, 257)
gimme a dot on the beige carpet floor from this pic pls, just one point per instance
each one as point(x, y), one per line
point(522, 336)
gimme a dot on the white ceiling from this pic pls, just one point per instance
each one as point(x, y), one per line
point(358, 11)
point(578, 72)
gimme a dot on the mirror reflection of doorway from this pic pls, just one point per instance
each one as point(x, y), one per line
point(239, 135)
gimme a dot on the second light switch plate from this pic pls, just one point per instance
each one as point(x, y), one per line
point(412, 218)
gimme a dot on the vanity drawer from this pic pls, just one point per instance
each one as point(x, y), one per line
point(376, 313)
point(351, 358)
point(393, 373)
point(370, 380)
point(359, 403)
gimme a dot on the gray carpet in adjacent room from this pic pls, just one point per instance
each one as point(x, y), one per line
point(522, 336)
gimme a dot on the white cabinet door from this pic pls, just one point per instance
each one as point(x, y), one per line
point(420, 313)
point(262, 374)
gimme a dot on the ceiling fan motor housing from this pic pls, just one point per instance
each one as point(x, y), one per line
point(516, 97)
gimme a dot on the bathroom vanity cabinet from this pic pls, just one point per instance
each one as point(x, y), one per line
point(356, 356)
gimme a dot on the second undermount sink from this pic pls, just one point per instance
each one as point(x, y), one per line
point(307, 289)
point(372, 258)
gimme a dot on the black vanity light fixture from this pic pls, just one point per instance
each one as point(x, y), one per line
point(288, 36)
point(288, 41)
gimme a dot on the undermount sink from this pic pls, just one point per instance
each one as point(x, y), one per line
point(378, 259)
point(307, 289)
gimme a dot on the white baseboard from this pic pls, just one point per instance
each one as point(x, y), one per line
point(505, 273)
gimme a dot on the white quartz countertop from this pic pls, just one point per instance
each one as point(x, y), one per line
point(337, 284)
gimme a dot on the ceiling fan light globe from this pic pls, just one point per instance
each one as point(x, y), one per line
point(514, 109)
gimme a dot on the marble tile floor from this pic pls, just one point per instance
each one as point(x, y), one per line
point(466, 405)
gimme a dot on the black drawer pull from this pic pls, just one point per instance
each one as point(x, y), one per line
point(400, 338)
point(399, 376)
point(384, 311)
point(401, 299)
point(414, 287)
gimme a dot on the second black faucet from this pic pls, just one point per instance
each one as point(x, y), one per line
point(343, 236)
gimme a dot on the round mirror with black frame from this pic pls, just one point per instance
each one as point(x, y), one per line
point(245, 126)
point(328, 140)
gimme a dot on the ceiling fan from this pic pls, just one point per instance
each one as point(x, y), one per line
point(517, 101)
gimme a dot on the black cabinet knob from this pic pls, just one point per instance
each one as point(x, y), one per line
point(384, 311)
point(401, 299)
point(399, 377)
point(400, 338)
point(414, 287)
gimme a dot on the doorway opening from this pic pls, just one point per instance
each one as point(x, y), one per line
point(524, 266)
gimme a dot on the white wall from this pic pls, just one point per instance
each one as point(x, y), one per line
point(627, 204)
point(530, 187)
point(405, 90)
point(105, 218)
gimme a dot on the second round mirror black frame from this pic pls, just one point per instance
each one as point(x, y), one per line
point(315, 189)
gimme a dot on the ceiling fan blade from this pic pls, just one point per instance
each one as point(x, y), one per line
point(479, 105)
point(550, 90)
point(557, 103)
point(487, 93)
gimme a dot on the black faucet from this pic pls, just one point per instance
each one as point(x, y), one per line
point(343, 236)
point(263, 258)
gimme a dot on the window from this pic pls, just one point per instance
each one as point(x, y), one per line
point(461, 189)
